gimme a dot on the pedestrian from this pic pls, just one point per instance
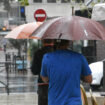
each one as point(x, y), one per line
point(63, 69)
point(36, 69)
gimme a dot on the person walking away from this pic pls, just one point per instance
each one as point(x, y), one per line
point(63, 69)
point(36, 68)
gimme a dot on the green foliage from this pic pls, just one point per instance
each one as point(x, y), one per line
point(98, 0)
point(92, 4)
point(84, 9)
point(24, 2)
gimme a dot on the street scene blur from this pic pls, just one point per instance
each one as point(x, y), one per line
point(30, 29)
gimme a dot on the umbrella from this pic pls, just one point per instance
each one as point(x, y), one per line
point(23, 31)
point(70, 28)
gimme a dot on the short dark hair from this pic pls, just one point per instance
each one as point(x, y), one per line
point(48, 41)
point(62, 42)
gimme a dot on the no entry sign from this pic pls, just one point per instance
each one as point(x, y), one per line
point(40, 15)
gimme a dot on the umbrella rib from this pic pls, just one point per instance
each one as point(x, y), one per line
point(60, 35)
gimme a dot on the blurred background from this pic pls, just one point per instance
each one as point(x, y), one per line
point(16, 55)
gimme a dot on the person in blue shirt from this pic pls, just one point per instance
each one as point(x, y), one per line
point(63, 69)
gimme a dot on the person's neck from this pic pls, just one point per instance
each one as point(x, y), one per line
point(62, 48)
point(50, 44)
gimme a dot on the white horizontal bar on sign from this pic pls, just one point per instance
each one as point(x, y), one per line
point(40, 15)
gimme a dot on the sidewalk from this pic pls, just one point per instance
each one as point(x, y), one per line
point(31, 98)
point(100, 99)
point(18, 99)
point(19, 82)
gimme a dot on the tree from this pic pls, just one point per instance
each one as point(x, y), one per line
point(24, 2)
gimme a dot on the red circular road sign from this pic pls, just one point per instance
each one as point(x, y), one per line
point(40, 15)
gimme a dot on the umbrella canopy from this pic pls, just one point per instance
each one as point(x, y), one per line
point(23, 31)
point(70, 28)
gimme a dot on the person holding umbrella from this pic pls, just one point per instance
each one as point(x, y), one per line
point(63, 69)
point(48, 46)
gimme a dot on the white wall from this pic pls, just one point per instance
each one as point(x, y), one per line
point(52, 9)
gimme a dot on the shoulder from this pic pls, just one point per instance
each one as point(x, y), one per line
point(75, 53)
point(48, 55)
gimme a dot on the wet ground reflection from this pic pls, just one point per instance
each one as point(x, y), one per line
point(19, 82)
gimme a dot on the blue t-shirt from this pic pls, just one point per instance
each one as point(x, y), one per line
point(64, 69)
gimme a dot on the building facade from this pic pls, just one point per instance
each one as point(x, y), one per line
point(53, 8)
point(93, 50)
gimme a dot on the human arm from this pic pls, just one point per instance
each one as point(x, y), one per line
point(36, 63)
point(45, 79)
point(87, 79)
point(44, 69)
point(86, 71)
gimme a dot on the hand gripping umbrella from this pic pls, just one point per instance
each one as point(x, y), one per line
point(70, 28)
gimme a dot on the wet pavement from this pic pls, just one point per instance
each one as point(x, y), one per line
point(19, 99)
point(22, 82)
point(22, 88)
point(19, 82)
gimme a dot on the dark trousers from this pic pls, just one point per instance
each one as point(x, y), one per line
point(43, 95)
